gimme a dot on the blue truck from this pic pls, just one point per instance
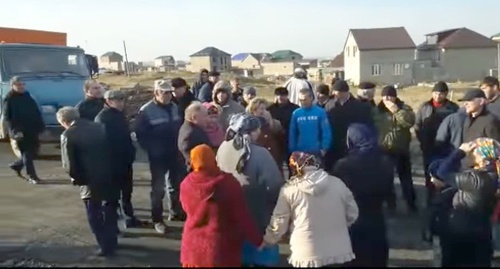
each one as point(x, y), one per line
point(54, 76)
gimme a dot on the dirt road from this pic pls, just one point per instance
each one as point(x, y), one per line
point(46, 224)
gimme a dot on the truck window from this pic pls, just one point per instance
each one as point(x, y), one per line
point(44, 61)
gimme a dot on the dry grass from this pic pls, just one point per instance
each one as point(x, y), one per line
point(413, 95)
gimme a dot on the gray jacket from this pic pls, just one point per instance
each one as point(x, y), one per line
point(261, 179)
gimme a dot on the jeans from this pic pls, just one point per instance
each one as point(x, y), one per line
point(165, 174)
point(103, 221)
point(26, 156)
point(126, 189)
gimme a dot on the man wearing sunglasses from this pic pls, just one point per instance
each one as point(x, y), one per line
point(157, 130)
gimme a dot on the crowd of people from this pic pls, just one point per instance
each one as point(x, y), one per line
point(220, 149)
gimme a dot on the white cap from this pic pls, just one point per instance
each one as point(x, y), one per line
point(163, 85)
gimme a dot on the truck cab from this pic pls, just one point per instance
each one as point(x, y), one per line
point(53, 75)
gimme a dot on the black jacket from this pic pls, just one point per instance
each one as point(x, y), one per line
point(341, 116)
point(483, 125)
point(191, 136)
point(427, 122)
point(183, 102)
point(90, 107)
point(85, 152)
point(21, 114)
point(118, 139)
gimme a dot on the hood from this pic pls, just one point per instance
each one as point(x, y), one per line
point(361, 139)
point(314, 182)
point(203, 184)
point(227, 91)
point(54, 93)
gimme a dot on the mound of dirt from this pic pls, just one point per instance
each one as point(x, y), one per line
point(137, 96)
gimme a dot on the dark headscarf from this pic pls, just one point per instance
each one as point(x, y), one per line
point(361, 139)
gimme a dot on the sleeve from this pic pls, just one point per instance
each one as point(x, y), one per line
point(419, 123)
point(326, 131)
point(405, 117)
point(270, 176)
point(141, 129)
point(443, 133)
point(70, 160)
point(280, 220)
point(292, 134)
point(351, 207)
point(240, 212)
point(493, 130)
point(449, 166)
point(204, 94)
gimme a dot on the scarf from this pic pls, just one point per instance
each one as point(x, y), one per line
point(487, 150)
point(299, 160)
point(241, 125)
point(203, 160)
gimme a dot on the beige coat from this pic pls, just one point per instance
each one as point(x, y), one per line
point(317, 209)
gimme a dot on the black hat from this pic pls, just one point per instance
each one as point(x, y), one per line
point(178, 82)
point(472, 94)
point(340, 86)
point(366, 85)
point(323, 89)
point(214, 74)
point(389, 91)
point(203, 71)
point(441, 86)
point(281, 91)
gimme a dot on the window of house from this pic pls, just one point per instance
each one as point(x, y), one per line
point(354, 50)
point(376, 70)
point(397, 69)
point(221, 60)
point(214, 60)
point(348, 51)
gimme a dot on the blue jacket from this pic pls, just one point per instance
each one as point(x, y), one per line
point(310, 130)
point(157, 129)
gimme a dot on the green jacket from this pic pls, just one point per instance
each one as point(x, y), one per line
point(394, 129)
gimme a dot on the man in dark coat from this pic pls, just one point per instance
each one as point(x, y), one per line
point(205, 94)
point(182, 97)
point(122, 150)
point(427, 120)
point(24, 121)
point(157, 130)
point(93, 103)
point(191, 133)
point(343, 110)
point(282, 110)
point(491, 88)
point(85, 153)
point(480, 122)
point(195, 89)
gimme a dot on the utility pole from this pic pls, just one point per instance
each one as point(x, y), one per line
point(127, 71)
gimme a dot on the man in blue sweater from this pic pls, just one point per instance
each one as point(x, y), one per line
point(310, 129)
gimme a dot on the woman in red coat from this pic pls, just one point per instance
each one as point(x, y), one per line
point(218, 220)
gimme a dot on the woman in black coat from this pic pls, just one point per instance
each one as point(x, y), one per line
point(369, 174)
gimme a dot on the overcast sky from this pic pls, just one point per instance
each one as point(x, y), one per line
point(314, 28)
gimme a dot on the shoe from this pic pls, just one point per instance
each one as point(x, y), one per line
point(101, 253)
point(133, 223)
point(17, 169)
point(161, 228)
point(177, 218)
point(34, 180)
